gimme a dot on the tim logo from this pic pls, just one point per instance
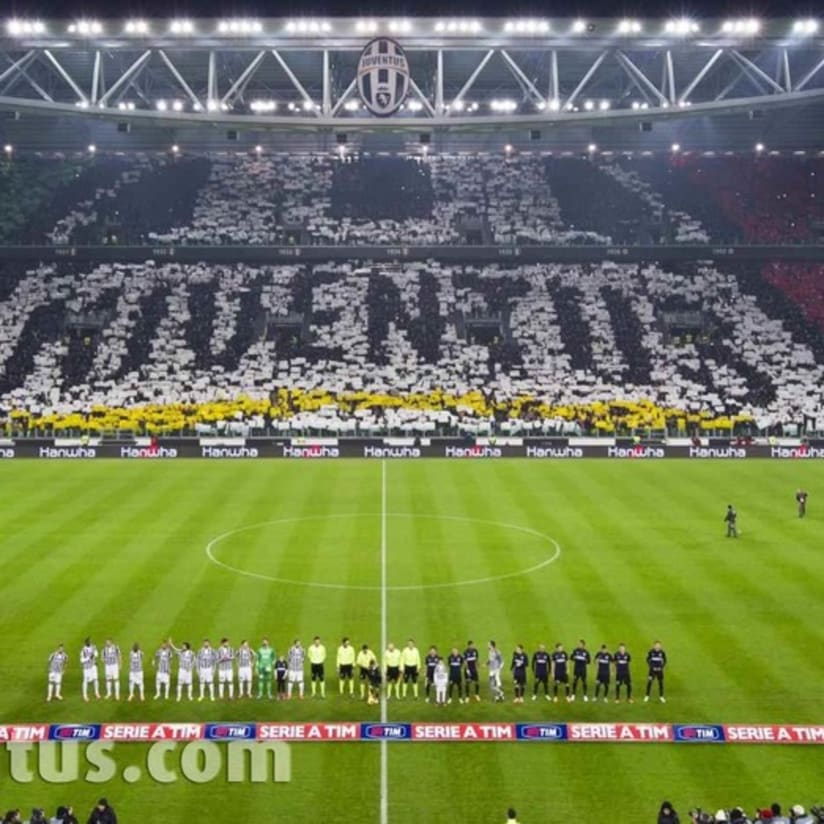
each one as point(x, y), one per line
point(393, 732)
point(699, 733)
point(542, 732)
point(229, 732)
point(74, 732)
point(383, 76)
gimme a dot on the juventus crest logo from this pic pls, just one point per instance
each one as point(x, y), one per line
point(383, 76)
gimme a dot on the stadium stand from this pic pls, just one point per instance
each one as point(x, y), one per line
point(423, 348)
point(751, 199)
point(330, 349)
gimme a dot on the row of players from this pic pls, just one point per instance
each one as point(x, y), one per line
point(400, 671)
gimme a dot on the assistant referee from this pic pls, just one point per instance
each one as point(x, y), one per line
point(411, 663)
point(345, 663)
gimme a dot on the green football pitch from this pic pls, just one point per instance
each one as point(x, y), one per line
point(444, 552)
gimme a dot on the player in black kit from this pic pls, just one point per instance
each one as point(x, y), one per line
point(455, 663)
point(731, 520)
point(560, 673)
point(603, 663)
point(430, 662)
point(801, 500)
point(580, 661)
point(541, 665)
point(622, 673)
point(656, 660)
point(471, 670)
point(520, 662)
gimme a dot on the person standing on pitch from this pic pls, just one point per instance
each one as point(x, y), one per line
point(441, 679)
point(656, 660)
point(411, 663)
point(281, 674)
point(560, 675)
point(603, 662)
point(345, 663)
point(57, 666)
point(518, 668)
point(265, 664)
point(541, 665)
point(731, 519)
point(225, 668)
point(623, 677)
point(430, 662)
point(374, 682)
point(455, 674)
point(88, 661)
point(295, 658)
point(471, 670)
point(392, 670)
point(185, 667)
point(206, 660)
point(111, 668)
point(364, 659)
point(245, 661)
point(801, 500)
point(580, 661)
point(136, 672)
point(317, 659)
point(163, 670)
point(495, 662)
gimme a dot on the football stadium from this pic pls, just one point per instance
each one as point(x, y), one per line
point(411, 419)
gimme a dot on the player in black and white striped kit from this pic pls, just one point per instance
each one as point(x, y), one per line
point(163, 670)
point(206, 660)
point(245, 662)
point(225, 668)
point(88, 661)
point(111, 668)
point(185, 667)
point(136, 671)
point(57, 666)
point(295, 660)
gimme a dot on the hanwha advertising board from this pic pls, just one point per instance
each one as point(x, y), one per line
point(383, 76)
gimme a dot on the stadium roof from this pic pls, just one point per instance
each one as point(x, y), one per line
point(480, 83)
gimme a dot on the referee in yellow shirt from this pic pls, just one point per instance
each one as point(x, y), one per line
point(346, 666)
point(411, 663)
point(364, 659)
point(392, 670)
point(317, 658)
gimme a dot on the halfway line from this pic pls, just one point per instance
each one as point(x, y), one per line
point(384, 793)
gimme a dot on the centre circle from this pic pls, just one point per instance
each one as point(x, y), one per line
point(531, 553)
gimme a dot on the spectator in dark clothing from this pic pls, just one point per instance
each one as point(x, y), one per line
point(66, 815)
point(102, 813)
point(667, 815)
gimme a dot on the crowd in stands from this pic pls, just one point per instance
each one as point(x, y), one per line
point(796, 814)
point(349, 348)
point(265, 198)
point(761, 199)
point(420, 347)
